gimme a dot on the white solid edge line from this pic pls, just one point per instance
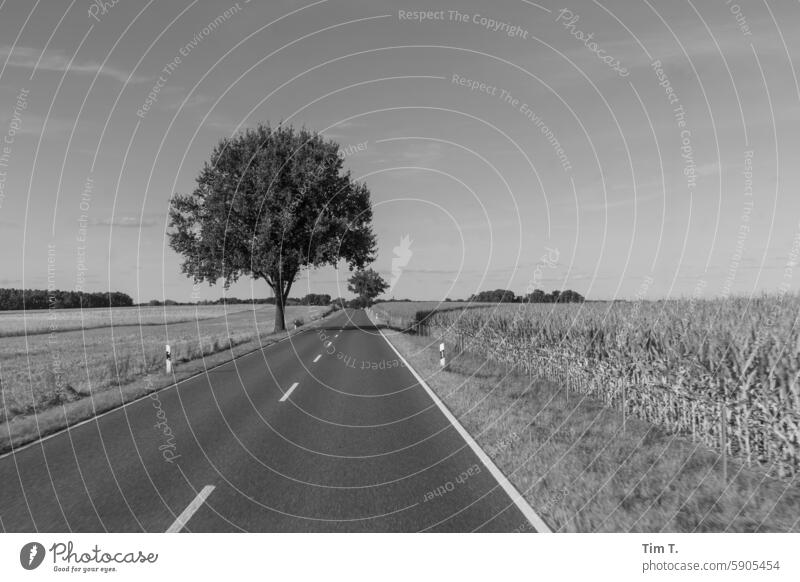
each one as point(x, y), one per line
point(317, 358)
point(288, 392)
point(537, 522)
point(187, 513)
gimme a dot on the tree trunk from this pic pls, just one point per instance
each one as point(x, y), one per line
point(281, 296)
point(280, 290)
point(280, 321)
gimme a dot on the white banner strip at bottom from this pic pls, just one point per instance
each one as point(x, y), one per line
point(355, 557)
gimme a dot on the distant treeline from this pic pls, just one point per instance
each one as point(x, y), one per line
point(15, 299)
point(508, 296)
point(19, 299)
point(538, 296)
point(310, 299)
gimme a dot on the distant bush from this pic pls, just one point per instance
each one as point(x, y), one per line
point(316, 299)
point(359, 303)
point(537, 296)
point(496, 296)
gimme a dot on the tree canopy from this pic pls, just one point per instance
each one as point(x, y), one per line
point(367, 284)
point(269, 203)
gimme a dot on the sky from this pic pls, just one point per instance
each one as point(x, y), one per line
point(622, 149)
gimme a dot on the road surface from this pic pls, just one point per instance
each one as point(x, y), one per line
point(327, 431)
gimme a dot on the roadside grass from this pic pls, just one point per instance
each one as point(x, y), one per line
point(581, 472)
point(47, 395)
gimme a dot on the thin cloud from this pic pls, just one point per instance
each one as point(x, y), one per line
point(193, 101)
point(709, 169)
point(425, 154)
point(34, 125)
point(434, 271)
point(57, 61)
point(125, 222)
point(342, 130)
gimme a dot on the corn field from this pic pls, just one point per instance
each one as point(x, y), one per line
point(725, 372)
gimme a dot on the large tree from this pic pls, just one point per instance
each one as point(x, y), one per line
point(367, 284)
point(269, 203)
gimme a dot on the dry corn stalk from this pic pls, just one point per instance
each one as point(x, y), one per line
point(678, 361)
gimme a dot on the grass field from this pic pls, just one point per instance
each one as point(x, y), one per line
point(41, 371)
point(401, 315)
point(582, 471)
point(15, 323)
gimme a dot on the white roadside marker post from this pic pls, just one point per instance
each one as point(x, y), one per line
point(441, 355)
point(169, 360)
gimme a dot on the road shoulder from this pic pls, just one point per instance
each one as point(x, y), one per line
point(534, 519)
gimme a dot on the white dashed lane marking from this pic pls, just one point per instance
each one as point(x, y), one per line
point(187, 513)
point(288, 392)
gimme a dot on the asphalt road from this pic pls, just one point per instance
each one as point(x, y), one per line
point(305, 435)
